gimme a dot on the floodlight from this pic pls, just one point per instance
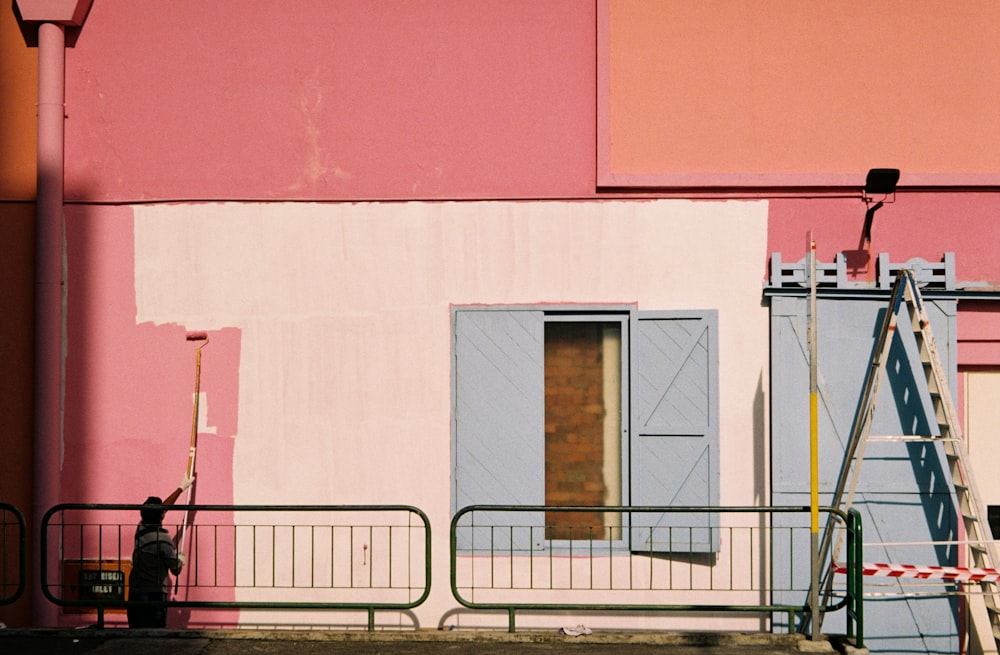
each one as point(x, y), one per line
point(881, 181)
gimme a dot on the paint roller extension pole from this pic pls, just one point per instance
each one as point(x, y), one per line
point(195, 336)
point(193, 446)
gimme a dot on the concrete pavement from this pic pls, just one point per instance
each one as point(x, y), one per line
point(424, 642)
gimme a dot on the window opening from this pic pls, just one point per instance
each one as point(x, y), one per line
point(583, 427)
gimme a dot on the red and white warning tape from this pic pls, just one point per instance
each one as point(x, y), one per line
point(955, 573)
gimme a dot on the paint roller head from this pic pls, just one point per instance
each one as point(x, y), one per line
point(197, 336)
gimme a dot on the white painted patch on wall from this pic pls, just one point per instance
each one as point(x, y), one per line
point(203, 427)
point(344, 309)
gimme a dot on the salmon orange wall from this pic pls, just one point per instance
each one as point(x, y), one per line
point(18, 122)
point(798, 92)
point(18, 100)
point(17, 265)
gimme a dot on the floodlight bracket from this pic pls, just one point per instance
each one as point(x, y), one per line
point(878, 182)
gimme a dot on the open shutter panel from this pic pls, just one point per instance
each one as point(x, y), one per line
point(675, 429)
point(500, 421)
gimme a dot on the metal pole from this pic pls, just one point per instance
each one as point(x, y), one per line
point(49, 290)
point(813, 447)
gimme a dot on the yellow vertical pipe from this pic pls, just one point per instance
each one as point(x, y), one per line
point(813, 445)
point(813, 461)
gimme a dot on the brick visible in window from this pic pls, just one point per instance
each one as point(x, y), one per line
point(582, 425)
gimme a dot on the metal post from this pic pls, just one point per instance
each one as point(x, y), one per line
point(813, 447)
point(49, 290)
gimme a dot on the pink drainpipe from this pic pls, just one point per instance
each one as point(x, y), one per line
point(49, 298)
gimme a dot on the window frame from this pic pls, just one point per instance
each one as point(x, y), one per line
point(630, 318)
point(622, 316)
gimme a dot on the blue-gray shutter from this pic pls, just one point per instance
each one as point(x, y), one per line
point(675, 429)
point(500, 421)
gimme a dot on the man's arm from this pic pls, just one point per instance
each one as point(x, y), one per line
point(172, 498)
point(172, 558)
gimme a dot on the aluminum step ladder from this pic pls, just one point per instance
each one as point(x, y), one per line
point(906, 294)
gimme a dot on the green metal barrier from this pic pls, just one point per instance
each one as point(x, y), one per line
point(277, 557)
point(13, 553)
point(855, 580)
point(514, 558)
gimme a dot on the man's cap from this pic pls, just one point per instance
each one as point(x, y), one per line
point(153, 515)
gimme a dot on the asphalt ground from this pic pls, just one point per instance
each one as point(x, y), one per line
point(286, 642)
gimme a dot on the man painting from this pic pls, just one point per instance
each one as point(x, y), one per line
point(154, 557)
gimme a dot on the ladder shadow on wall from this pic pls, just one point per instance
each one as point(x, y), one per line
point(932, 486)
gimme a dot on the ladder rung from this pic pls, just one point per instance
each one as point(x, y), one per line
point(910, 437)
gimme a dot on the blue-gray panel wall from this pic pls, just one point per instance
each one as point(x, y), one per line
point(894, 623)
point(903, 489)
point(846, 333)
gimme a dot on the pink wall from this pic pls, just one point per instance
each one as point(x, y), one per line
point(915, 225)
point(979, 335)
point(440, 99)
point(255, 99)
point(129, 387)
